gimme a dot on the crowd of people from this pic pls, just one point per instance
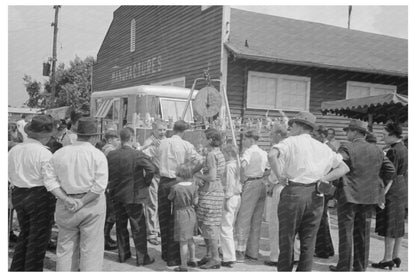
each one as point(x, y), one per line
point(64, 174)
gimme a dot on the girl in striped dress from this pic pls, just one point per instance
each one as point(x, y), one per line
point(211, 197)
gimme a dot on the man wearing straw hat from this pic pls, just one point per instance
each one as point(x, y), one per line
point(34, 205)
point(358, 196)
point(306, 163)
point(82, 172)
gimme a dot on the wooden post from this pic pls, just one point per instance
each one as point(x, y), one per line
point(227, 107)
point(55, 36)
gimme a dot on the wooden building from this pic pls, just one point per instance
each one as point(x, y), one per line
point(265, 62)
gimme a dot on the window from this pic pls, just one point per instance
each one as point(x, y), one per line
point(277, 92)
point(173, 108)
point(133, 35)
point(178, 82)
point(359, 89)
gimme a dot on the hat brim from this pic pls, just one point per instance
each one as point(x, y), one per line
point(88, 134)
point(310, 124)
point(30, 132)
point(356, 129)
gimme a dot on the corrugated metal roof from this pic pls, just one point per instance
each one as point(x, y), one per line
point(279, 39)
point(23, 110)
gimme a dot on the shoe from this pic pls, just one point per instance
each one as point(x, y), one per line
point(174, 263)
point(192, 264)
point(239, 256)
point(250, 258)
point(335, 268)
point(12, 237)
point(203, 261)
point(383, 265)
point(211, 265)
point(227, 264)
point(181, 269)
point(397, 261)
point(146, 261)
point(270, 263)
point(153, 241)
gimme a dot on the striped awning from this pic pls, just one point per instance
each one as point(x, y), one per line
point(384, 107)
point(104, 108)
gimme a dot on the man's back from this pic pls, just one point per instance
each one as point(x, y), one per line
point(172, 152)
point(365, 160)
point(81, 167)
point(127, 182)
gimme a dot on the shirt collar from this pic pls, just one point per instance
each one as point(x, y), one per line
point(31, 140)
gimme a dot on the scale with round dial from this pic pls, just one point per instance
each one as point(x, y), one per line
point(207, 102)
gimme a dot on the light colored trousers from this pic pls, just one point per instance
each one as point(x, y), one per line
point(227, 230)
point(250, 216)
point(274, 227)
point(81, 236)
point(152, 219)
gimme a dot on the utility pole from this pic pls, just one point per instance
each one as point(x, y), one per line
point(349, 16)
point(55, 36)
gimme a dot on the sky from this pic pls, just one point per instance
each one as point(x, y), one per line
point(81, 30)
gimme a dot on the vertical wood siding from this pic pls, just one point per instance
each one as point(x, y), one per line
point(179, 40)
point(326, 85)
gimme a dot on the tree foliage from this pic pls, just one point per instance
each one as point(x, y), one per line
point(73, 87)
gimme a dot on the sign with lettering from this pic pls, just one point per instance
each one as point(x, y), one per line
point(140, 69)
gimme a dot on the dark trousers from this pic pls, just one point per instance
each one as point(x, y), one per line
point(110, 216)
point(170, 247)
point(35, 208)
point(354, 221)
point(300, 210)
point(324, 247)
point(135, 214)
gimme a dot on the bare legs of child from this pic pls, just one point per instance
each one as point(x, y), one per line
point(187, 250)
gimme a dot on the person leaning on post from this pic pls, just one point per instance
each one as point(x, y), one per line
point(307, 166)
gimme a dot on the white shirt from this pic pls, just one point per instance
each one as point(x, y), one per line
point(231, 179)
point(27, 163)
point(305, 159)
point(256, 160)
point(79, 168)
point(172, 152)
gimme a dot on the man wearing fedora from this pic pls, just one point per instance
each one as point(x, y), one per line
point(81, 171)
point(307, 164)
point(35, 206)
point(358, 195)
point(253, 198)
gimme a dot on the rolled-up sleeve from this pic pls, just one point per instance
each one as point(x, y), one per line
point(336, 159)
point(101, 176)
point(49, 177)
point(50, 180)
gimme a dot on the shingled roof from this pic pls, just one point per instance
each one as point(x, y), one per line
point(263, 37)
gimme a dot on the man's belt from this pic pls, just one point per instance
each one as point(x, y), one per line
point(254, 178)
point(295, 184)
point(77, 195)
